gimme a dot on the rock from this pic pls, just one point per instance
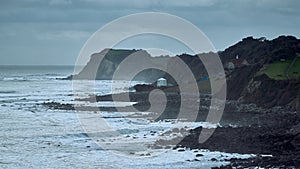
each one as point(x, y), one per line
point(295, 129)
point(199, 155)
point(213, 159)
point(215, 167)
point(168, 147)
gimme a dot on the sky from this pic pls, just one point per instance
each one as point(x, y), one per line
point(52, 32)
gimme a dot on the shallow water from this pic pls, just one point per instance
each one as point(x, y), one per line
point(32, 136)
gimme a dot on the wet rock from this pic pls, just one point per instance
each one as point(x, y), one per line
point(214, 167)
point(168, 147)
point(213, 159)
point(199, 155)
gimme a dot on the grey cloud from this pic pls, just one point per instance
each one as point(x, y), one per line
point(60, 2)
point(60, 27)
point(64, 35)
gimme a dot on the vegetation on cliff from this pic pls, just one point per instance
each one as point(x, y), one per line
point(264, 72)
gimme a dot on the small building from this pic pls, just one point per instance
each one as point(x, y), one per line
point(236, 63)
point(229, 65)
point(240, 62)
point(204, 79)
point(282, 60)
point(161, 82)
point(245, 62)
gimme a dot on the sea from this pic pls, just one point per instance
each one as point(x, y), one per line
point(34, 136)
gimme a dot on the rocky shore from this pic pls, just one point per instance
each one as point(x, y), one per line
point(261, 114)
point(274, 146)
point(244, 128)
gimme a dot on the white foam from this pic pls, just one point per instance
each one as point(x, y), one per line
point(34, 137)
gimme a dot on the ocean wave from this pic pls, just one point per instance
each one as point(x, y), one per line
point(14, 79)
point(29, 78)
point(44, 75)
point(7, 91)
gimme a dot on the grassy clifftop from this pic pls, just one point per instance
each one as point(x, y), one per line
point(282, 70)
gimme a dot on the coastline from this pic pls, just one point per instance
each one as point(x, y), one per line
point(244, 128)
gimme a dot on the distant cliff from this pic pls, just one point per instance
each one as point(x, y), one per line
point(260, 71)
point(104, 64)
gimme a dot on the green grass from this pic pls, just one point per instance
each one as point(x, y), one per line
point(294, 72)
point(277, 70)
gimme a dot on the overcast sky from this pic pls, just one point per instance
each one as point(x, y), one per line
point(52, 32)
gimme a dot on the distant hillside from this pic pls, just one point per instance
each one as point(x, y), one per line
point(271, 77)
point(104, 64)
point(262, 51)
point(261, 71)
